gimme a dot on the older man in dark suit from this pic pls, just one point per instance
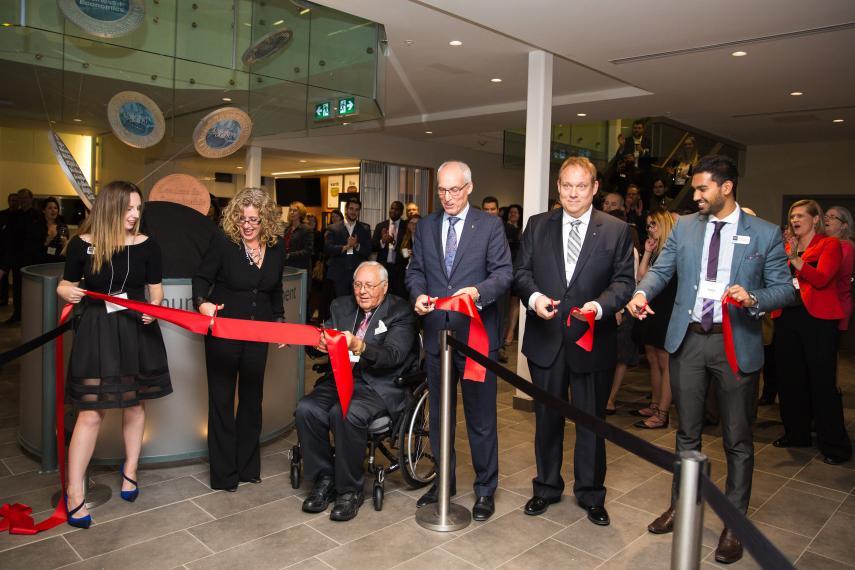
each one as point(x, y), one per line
point(381, 335)
point(461, 250)
point(574, 257)
point(347, 244)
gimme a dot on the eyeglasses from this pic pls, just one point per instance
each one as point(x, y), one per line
point(651, 225)
point(358, 285)
point(454, 191)
point(250, 221)
point(830, 217)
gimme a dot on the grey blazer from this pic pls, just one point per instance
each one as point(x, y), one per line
point(760, 266)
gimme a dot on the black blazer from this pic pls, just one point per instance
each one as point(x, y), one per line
point(340, 265)
point(381, 249)
point(299, 252)
point(226, 277)
point(604, 273)
point(388, 354)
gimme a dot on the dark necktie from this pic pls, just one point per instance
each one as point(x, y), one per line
point(712, 270)
point(450, 244)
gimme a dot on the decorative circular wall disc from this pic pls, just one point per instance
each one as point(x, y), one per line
point(104, 18)
point(222, 132)
point(135, 119)
point(71, 169)
point(182, 189)
point(267, 45)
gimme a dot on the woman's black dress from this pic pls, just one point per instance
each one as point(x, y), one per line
point(116, 360)
point(655, 326)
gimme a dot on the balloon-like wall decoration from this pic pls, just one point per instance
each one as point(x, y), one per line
point(104, 18)
point(135, 119)
point(266, 46)
point(222, 132)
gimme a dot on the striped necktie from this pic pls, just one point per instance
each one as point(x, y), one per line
point(574, 243)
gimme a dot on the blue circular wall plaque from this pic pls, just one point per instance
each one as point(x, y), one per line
point(135, 119)
point(104, 18)
point(222, 132)
point(266, 46)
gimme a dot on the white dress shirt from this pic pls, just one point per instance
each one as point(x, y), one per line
point(569, 268)
point(458, 227)
point(725, 261)
point(350, 227)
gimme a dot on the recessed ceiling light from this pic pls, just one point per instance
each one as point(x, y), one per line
point(409, 42)
point(496, 80)
point(76, 120)
point(739, 53)
point(428, 132)
point(301, 160)
point(239, 167)
point(278, 22)
point(344, 124)
point(796, 93)
point(581, 114)
point(455, 43)
point(227, 99)
point(837, 120)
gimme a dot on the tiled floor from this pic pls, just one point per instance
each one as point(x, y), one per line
point(805, 507)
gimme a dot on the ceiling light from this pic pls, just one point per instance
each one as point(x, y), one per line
point(837, 120)
point(455, 43)
point(496, 80)
point(581, 114)
point(227, 99)
point(305, 11)
point(239, 167)
point(76, 120)
point(344, 124)
point(340, 169)
point(796, 93)
point(428, 132)
point(301, 160)
point(278, 22)
point(739, 53)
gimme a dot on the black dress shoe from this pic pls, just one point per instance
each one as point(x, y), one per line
point(538, 505)
point(321, 495)
point(597, 515)
point(432, 496)
point(785, 442)
point(834, 460)
point(346, 506)
point(483, 508)
point(255, 480)
point(231, 489)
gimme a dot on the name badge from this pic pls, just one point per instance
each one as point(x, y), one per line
point(742, 240)
point(796, 283)
point(712, 290)
point(113, 307)
point(51, 251)
point(90, 250)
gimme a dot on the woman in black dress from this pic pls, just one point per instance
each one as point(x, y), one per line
point(659, 225)
point(118, 359)
point(240, 277)
point(57, 231)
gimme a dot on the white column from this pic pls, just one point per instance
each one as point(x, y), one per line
point(536, 189)
point(253, 167)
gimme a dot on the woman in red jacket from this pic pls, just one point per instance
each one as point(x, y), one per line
point(806, 340)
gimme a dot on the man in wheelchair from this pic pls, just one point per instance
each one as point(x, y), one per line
point(383, 342)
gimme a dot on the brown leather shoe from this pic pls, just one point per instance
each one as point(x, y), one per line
point(729, 548)
point(664, 524)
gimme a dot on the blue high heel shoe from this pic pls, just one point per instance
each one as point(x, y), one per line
point(129, 496)
point(81, 522)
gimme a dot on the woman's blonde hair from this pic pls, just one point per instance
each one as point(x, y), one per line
point(301, 209)
point(106, 222)
point(261, 201)
point(665, 221)
point(813, 209)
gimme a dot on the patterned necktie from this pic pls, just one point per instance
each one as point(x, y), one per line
point(363, 326)
point(574, 244)
point(712, 269)
point(450, 244)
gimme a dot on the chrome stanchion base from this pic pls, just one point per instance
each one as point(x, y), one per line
point(458, 517)
point(96, 495)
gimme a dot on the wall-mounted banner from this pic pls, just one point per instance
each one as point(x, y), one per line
point(351, 183)
point(71, 169)
point(104, 18)
point(333, 190)
point(266, 46)
point(135, 119)
point(222, 132)
point(182, 189)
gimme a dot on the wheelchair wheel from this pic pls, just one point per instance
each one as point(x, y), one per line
point(418, 466)
point(378, 497)
point(295, 477)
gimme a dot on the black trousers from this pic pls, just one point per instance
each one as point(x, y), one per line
point(318, 414)
point(479, 407)
point(806, 349)
point(770, 372)
point(233, 439)
point(699, 366)
point(17, 288)
point(589, 392)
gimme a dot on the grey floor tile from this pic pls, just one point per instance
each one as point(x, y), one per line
point(628, 472)
point(249, 495)
point(763, 486)
point(516, 459)
point(501, 539)
point(150, 497)
point(163, 552)
point(109, 536)
point(796, 512)
point(273, 551)
point(813, 489)
point(783, 462)
point(835, 477)
point(835, 538)
point(26, 482)
point(848, 505)
point(519, 482)
point(653, 496)
point(8, 435)
point(552, 554)
point(50, 553)
point(790, 544)
point(248, 525)
point(649, 551)
point(4, 471)
point(505, 502)
point(274, 464)
point(811, 561)
point(21, 464)
point(436, 558)
point(627, 525)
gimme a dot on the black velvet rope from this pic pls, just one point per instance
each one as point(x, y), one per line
point(33, 344)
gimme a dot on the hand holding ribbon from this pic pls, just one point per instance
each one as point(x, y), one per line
point(586, 341)
point(478, 340)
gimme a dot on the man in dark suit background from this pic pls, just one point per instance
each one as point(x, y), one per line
point(575, 256)
point(5, 235)
point(461, 250)
point(387, 244)
point(347, 244)
point(381, 333)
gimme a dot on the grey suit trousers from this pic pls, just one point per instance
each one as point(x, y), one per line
point(700, 363)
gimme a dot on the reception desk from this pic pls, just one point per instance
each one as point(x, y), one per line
point(176, 425)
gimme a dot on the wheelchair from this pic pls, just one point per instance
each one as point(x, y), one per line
point(402, 439)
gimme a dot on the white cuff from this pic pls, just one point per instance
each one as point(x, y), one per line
point(532, 299)
point(599, 311)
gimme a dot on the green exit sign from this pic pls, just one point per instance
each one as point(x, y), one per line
point(347, 106)
point(323, 110)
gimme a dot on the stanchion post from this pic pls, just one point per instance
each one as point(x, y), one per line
point(444, 516)
point(689, 516)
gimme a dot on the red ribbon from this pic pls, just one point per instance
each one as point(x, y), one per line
point(727, 331)
point(586, 341)
point(464, 305)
